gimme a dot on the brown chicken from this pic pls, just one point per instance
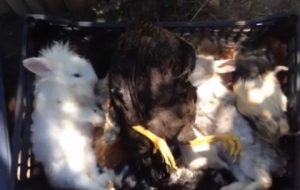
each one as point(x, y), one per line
point(150, 92)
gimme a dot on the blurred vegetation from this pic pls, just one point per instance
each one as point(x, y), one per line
point(188, 10)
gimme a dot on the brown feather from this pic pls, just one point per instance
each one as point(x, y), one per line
point(151, 69)
point(109, 155)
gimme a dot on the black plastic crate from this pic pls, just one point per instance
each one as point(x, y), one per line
point(96, 41)
point(5, 154)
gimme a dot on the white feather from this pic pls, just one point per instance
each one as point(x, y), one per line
point(216, 114)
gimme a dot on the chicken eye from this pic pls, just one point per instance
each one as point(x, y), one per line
point(77, 75)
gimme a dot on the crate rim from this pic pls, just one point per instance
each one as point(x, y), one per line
point(258, 21)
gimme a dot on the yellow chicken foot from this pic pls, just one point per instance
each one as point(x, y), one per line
point(159, 144)
point(230, 142)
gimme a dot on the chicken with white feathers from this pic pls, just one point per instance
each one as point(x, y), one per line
point(259, 94)
point(64, 116)
point(216, 114)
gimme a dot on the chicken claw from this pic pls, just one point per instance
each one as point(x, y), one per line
point(230, 142)
point(159, 144)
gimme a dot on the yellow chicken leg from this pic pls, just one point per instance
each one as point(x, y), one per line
point(230, 142)
point(159, 144)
